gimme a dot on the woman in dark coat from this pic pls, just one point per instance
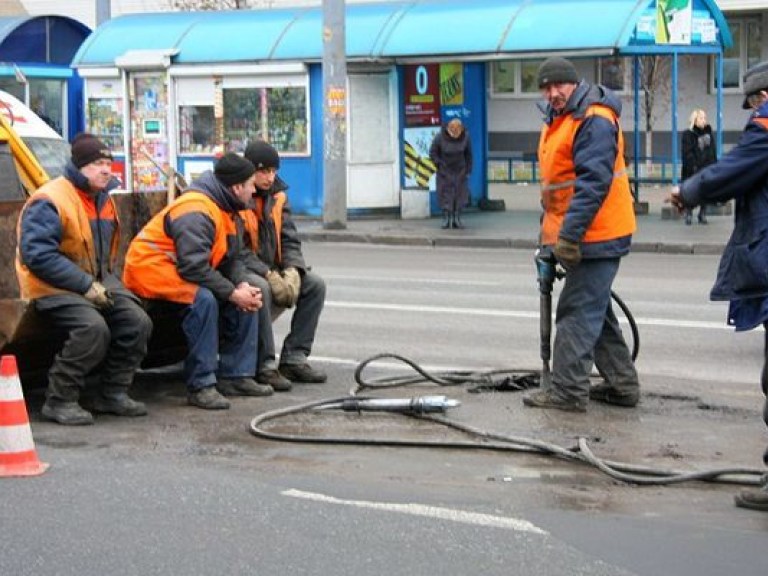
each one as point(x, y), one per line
point(698, 152)
point(451, 152)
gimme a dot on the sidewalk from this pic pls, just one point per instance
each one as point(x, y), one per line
point(518, 226)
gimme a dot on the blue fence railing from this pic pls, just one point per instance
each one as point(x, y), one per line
point(523, 168)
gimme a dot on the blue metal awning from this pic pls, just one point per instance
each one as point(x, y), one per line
point(424, 29)
point(40, 39)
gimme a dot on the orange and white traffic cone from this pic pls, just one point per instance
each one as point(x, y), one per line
point(18, 456)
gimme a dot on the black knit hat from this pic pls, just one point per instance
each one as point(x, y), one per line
point(755, 79)
point(262, 155)
point(231, 169)
point(554, 70)
point(86, 148)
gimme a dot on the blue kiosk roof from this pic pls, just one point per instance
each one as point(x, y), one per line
point(423, 29)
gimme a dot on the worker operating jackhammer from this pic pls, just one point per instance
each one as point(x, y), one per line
point(587, 225)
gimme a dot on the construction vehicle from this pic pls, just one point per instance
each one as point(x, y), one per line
point(30, 154)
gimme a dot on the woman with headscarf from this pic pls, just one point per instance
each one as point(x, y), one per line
point(451, 152)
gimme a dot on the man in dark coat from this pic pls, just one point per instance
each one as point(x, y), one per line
point(742, 277)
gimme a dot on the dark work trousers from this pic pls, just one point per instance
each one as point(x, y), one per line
point(764, 383)
point(297, 346)
point(587, 333)
point(221, 341)
point(114, 341)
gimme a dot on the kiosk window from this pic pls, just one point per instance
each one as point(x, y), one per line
point(105, 120)
point(197, 130)
point(275, 114)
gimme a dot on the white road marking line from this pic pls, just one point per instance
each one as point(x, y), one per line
point(477, 519)
point(669, 323)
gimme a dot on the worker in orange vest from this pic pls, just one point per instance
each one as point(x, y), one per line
point(587, 225)
point(187, 260)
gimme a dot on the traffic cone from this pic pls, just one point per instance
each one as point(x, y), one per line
point(18, 456)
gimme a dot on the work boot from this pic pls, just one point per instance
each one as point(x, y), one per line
point(66, 413)
point(753, 499)
point(446, 220)
point(545, 399)
point(243, 387)
point(273, 378)
point(119, 404)
point(457, 223)
point(607, 394)
point(303, 373)
point(208, 398)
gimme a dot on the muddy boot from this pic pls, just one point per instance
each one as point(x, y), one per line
point(119, 404)
point(208, 399)
point(604, 392)
point(66, 413)
point(446, 220)
point(753, 499)
point(243, 387)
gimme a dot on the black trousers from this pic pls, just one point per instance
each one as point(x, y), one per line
point(110, 342)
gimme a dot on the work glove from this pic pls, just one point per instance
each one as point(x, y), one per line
point(567, 252)
point(99, 296)
point(281, 295)
point(293, 280)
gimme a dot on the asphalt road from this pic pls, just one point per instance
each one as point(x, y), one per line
point(184, 491)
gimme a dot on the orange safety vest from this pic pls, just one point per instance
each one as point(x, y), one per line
point(253, 216)
point(150, 263)
point(76, 237)
point(616, 216)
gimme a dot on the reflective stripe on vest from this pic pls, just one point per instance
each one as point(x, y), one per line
point(150, 263)
point(616, 216)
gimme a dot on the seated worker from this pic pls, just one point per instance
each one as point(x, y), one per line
point(186, 259)
point(280, 271)
point(67, 250)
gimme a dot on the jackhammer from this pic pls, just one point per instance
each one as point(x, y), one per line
point(547, 271)
point(546, 274)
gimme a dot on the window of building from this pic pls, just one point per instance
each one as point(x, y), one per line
point(745, 52)
point(105, 111)
point(510, 78)
point(44, 96)
point(197, 130)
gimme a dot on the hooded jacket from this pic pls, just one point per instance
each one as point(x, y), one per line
point(585, 187)
point(195, 241)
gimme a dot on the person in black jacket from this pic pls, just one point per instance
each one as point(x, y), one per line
point(698, 152)
point(278, 268)
point(451, 152)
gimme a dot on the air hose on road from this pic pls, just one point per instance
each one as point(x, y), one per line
point(484, 440)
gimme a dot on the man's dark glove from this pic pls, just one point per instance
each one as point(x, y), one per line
point(567, 252)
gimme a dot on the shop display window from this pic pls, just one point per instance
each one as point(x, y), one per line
point(197, 130)
point(105, 120)
point(276, 114)
point(46, 99)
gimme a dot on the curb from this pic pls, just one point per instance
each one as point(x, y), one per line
point(345, 237)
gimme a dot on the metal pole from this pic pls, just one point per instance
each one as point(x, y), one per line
point(103, 11)
point(675, 71)
point(636, 81)
point(334, 116)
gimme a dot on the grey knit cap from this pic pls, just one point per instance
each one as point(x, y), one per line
point(755, 79)
point(554, 70)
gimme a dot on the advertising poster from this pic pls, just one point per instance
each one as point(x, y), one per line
point(673, 21)
point(452, 84)
point(419, 169)
point(422, 94)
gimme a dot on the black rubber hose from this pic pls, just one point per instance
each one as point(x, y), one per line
point(632, 324)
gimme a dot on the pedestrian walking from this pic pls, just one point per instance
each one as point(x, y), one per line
point(698, 149)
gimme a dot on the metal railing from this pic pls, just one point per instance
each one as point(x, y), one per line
point(523, 168)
